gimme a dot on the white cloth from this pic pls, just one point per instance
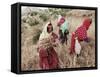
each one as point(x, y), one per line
point(77, 47)
point(44, 33)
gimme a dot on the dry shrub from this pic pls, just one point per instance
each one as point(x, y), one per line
point(30, 36)
point(36, 37)
point(32, 21)
point(44, 17)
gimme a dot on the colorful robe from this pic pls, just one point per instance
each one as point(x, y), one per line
point(80, 33)
point(47, 54)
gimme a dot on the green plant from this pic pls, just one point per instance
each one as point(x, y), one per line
point(33, 13)
point(24, 20)
point(33, 22)
point(44, 17)
point(36, 37)
point(63, 14)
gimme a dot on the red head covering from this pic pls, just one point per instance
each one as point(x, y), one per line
point(81, 33)
point(87, 23)
point(61, 21)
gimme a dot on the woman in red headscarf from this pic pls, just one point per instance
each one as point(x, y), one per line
point(63, 30)
point(80, 33)
point(47, 54)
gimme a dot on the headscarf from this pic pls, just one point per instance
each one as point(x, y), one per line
point(44, 33)
point(63, 24)
point(87, 23)
point(80, 33)
point(60, 21)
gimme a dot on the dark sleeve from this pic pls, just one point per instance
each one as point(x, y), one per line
point(86, 39)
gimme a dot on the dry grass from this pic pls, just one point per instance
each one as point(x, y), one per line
point(30, 55)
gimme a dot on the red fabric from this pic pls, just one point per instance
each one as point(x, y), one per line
point(48, 61)
point(43, 59)
point(54, 35)
point(87, 23)
point(72, 43)
point(81, 33)
point(48, 56)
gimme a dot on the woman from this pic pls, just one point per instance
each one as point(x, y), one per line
point(63, 30)
point(47, 54)
point(80, 33)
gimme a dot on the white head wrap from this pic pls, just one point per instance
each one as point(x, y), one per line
point(44, 33)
